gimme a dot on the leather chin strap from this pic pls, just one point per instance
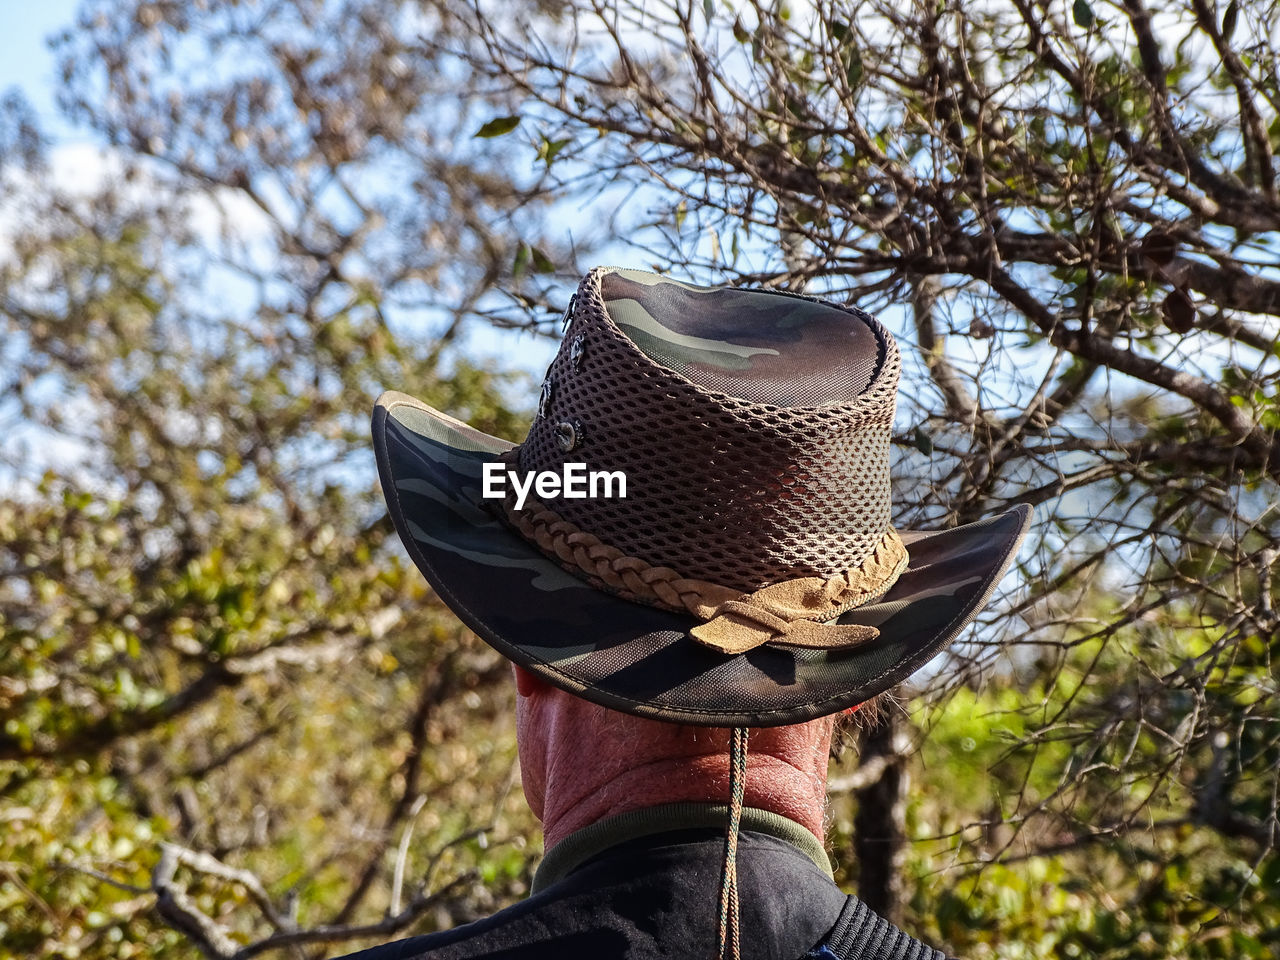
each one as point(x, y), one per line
point(791, 612)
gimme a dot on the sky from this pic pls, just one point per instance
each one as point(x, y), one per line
point(25, 59)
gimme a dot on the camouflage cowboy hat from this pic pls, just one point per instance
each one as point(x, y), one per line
point(697, 527)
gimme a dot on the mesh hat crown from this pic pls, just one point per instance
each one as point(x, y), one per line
point(751, 575)
point(753, 428)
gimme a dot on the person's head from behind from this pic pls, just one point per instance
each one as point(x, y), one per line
point(725, 561)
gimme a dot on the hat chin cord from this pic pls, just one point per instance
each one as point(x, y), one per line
point(728, 943)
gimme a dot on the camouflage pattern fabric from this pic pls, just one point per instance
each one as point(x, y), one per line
point(762, 346)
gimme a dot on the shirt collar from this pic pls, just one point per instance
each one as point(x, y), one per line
point(582, 845)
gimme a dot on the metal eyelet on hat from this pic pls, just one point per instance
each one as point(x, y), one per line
point(576, 350)
point(568, 313)
point(544, 398)
point(568, 435)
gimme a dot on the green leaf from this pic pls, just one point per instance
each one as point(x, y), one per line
point(923, 443)
point(1082, 14)
point(682, 211)
point(541, 262)
point(548, 149)
point(522, 260)
point(850, 56)
point(853, 66)
point(1229, 19)
point(709, 9)
point(497, 127)
point(739, 31)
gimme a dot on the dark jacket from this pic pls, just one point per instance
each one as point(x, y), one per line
point(657, 896)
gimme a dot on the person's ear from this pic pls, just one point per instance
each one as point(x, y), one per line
point(527, 684)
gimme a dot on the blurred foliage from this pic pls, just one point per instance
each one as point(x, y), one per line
point(233, 718)
point(209, 640)
point(1018, 848)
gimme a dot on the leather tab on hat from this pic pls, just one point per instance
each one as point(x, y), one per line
point(732, 634)
point(789, 612)
point(743, 626)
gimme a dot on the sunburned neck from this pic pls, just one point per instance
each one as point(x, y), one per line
point(772, 785)
point(582, 763)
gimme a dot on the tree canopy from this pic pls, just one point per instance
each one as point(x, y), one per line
point(236, 722)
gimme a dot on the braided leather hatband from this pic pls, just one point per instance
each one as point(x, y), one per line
point(791, 612)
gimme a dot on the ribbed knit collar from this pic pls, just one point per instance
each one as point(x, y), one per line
point(582, 845)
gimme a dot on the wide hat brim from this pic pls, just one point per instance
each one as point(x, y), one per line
point(640, 659)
